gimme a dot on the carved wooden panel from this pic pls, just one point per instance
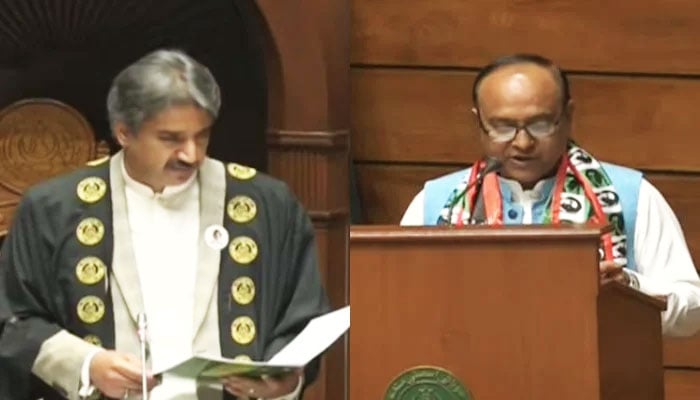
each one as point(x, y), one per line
point(315, 164)
point(39, 139)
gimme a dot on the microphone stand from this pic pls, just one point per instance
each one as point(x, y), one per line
point(492, 165)
point(142, 341)
point(457, 199)
point(477, 215)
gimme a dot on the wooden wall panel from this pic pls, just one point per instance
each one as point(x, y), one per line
point(682, 352)
point(682, 384)
point(652, 36)
point(424, 116)
point(387, 190)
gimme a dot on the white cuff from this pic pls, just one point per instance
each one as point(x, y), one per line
point(649, 286)
point(86, 389)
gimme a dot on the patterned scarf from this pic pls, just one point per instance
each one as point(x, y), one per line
point(582, 193)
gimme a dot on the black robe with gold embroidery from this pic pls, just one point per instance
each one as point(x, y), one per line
point(40, 289)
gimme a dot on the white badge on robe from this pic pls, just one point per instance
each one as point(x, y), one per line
point(216, 237)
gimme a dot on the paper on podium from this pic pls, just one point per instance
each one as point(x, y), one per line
point(319, 334)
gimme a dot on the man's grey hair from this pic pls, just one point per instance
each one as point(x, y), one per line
point(159, 80)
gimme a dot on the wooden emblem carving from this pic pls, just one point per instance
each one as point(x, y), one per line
point(39, 139)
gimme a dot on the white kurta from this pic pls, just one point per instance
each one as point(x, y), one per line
point(165, 233)
point(664, 264)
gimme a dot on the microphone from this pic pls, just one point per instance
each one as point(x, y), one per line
point(492, 165)
point(141, 320)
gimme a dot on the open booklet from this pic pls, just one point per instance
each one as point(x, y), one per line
point(319, 334)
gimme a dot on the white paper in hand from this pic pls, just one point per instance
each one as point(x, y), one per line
point(319, 333)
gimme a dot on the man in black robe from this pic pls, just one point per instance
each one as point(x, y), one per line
point(220, 256)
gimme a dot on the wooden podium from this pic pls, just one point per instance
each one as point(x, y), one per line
point(511, 312)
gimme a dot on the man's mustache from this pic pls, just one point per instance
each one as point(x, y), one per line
point(180, 166)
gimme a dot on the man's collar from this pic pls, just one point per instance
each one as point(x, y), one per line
point(540, 191)
point(146, 191)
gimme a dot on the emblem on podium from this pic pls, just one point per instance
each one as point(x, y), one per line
point(426, 383)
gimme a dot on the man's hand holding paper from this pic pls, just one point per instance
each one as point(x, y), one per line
point(266, 387)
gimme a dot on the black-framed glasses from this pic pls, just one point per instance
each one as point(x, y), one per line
point(502, 133)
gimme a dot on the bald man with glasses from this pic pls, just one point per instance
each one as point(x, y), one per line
point(534, 173)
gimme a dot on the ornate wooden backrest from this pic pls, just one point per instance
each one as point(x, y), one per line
point(39, 139)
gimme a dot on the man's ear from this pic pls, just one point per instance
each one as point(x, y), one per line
point(477, 118)
point(121, 134)
point(570, 106)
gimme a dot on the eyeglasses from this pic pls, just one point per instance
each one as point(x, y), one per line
point(506, 132)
